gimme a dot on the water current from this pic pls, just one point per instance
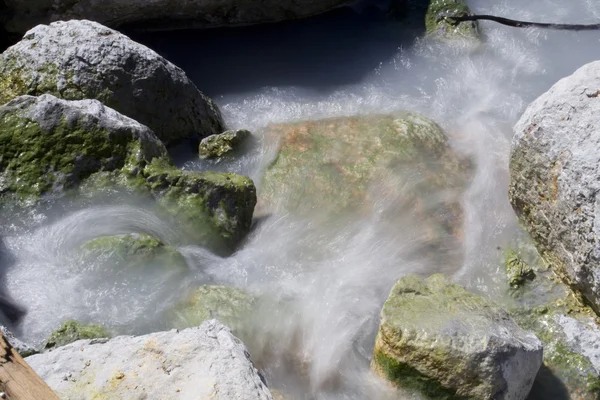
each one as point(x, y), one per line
point(330, 280)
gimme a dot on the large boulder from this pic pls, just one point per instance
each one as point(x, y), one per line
point(555, 180)
point(438, 338)
point(52, 146)
point(23, 14)
point(348, 166)
point(78, 60)
point(202, 363)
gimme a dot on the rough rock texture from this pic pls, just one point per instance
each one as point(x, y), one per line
point(438, 338)
point(71, 331)
point(226, 304)
point(569, 336)
point(48, 145)
point(218, 145)
point(23, 14)
point(555, 178)
point(133, 250)
point(565, 326)
point(78, 60)
point(518, 271)
point(24, 349)
point(435, 23)
point(202, 363)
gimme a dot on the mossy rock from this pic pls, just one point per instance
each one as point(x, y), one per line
point(49, 145)
point(133, 250)
point(50, 148)
point(106, 65)
point(518, 271)
point(437, 338)
point(438, 26)
point(215, 146)
point(72, 331)
point(346, 165)
point(229, 305)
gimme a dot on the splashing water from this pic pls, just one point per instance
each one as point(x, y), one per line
point(332, 277)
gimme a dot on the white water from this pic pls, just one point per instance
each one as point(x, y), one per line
point(336, 278)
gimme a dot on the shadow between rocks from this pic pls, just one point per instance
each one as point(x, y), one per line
point(548, 386)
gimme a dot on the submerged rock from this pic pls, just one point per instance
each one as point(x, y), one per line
point(554, 178)
point(134, 250)
point(71, 331)
point(517, 270)
point(229, 305)
point(206, 362)
point(78, 60)
point(50, 145)
point(216, 146)
point(438, 338)
point(23, 14)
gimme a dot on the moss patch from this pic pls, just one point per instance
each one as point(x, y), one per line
point(71, 331)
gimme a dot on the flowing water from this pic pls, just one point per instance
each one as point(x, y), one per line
point(328, 281)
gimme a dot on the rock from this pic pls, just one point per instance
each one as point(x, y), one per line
point(216, 146)
point(554, 178)
point(208, 207)
point(438, 338)
point(569, 336)
point(24, 349)
point(133, 250)
point(517, 270)
point(50, 145)
point(78, 60)
point(206, 362)
point(71, 331)
point(436, 25)
point(162, 14)
point(226, 304)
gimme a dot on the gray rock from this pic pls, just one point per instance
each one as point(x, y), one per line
point(24, 349)
point(216, 146)
point(78, 60)
point(50, 144)
point(24, 14)
point(555, 178)
point(438, 338)
point(206, 362)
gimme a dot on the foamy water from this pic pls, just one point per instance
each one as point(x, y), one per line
point(331, 279)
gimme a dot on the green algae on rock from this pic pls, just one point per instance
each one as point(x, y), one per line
point(228, 305)
point(215, 146)
point(437, 25)
point(72, 331)
point(77, 60)
point(517, 270)
point(438, 338)
point(49, 145)
point(135, 250)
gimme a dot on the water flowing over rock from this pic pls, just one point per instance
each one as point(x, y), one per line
point(438, 338)
point(135, 250)
point(555, 181)
point(229, 305)
point(78, 60)
point(206, 362)
point(50, 145)
point(23, 14)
